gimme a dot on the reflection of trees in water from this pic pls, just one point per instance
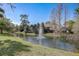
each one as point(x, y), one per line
point(72, 39)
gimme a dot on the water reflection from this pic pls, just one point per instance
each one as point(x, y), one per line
point(53, 43)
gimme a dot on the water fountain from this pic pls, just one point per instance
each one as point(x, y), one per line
point(51, 43)
point(40, 34)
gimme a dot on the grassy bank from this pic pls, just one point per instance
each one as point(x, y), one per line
point(27, 34)
point(49, 35)
point(16, 46)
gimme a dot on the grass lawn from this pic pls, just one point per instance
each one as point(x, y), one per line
point(27, 34)
point(49, 35)
point(30, 49)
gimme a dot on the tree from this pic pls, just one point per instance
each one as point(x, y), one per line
point(1, 13)
point(31, 28)
point(65, 14)
point(1, 20)
point(5, 25)
point(59, 12)
point(76, 24)
point(70, 24)
point(43, 27)
point(24, 22)
point(53, 22)
point(9, 25)
point(35, 28)
point(2, 26)
point(77, 11)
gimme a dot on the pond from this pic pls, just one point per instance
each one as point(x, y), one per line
point(53, 43)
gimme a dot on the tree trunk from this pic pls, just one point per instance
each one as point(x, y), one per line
point(1, 31)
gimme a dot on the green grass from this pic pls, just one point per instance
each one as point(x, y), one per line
point(6, 34)
point(16, 46)
point(49, 35)
point(27, 34)
point(11, 45)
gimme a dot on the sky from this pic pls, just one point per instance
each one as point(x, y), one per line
point(37, 12)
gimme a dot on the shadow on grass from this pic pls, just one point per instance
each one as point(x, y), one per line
point(10, 48)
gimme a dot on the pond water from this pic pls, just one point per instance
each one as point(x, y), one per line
point(52, 43)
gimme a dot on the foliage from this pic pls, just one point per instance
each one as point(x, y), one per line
point(2, 25)
point(2, 12)
point(6, 25)
point(9, 26)
point(70, 24)
point(77, 11)
point(24, 22)
point(76, 25)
